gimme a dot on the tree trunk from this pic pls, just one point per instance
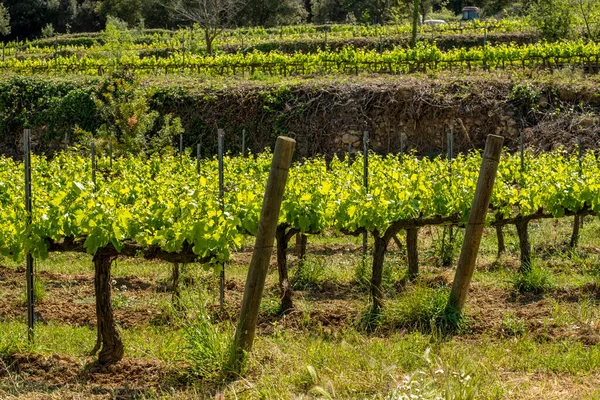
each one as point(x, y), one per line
point(301, 242)
point(500, 235)
point(380, 247)
point(284, 281)
point(415, 23)
point(112, 345)
point(209, 41)
point(412, 235)
point(575, 236)
point(309, 13)
point(523, 232)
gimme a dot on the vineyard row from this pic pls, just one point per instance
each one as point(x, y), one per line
point(347, 60)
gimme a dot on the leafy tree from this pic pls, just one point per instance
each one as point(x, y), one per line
point(28, 17)
point(555, 19)
point(415, 23)
point(48, 31)
point(129, 11)
point(588, 12)
point(122, 103)
point(117, 38)
point(212, 16)
point(4, 21)
point(87, 18)
point(273, 12)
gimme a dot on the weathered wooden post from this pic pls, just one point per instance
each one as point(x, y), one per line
point(474, 231)
point(263, 248)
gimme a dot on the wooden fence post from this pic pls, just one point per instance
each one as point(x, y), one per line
point(474, 231)
point(263, 248)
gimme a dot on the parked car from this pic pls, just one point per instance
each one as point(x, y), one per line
point(434, 22)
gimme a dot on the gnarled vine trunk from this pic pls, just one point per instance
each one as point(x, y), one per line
point(301, 242)
point(575, 236)
point(500, 236)
point(380, 247)
point(523, 232)
point(284, 281)
point(109, 338)
point(412, 252)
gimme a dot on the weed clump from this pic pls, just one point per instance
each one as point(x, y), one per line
point(513, 326)
point(536, 280)
point(308, 274)
point(207, 344)
point(425, 309)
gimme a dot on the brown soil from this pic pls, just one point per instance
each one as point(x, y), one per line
point(488, 307)
point(70, 300)
point(131, 378)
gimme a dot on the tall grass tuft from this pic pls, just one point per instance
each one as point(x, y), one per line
point(424, 309)
point(536, 280)
point(308, 273)
point(206, 345)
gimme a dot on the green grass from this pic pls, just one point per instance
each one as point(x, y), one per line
point(536, 280)
point(303, 356)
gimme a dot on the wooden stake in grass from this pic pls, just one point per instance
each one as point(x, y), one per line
point(474, 231)
point(263, 248)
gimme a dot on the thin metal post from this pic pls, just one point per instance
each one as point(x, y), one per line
point(94, 165)
point(198, 150)
point(580, 148)
point(484, 36)
point(28, 209)
point(401, 143)
point(522, 145)
point(580, 156)
point(181, 147)
point(450, 155)
point(365, 178)
point(349, 152)
point(221, 133)
point(244, 142)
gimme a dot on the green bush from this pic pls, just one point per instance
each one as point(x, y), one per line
point(39, 292)
point(308, 273)
point(513, 326)
point(555, 19)
point(207, 346)
point(424, 309)
point(536, 280)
